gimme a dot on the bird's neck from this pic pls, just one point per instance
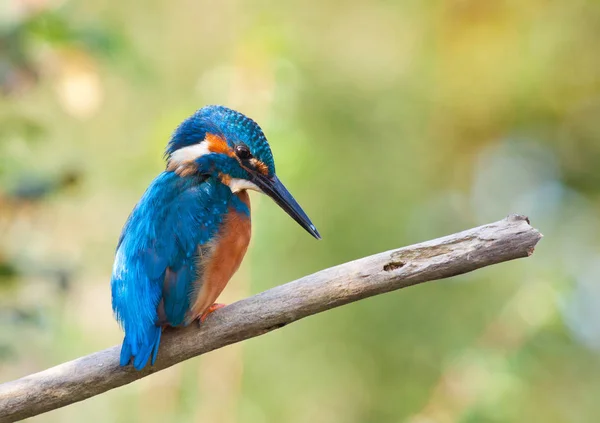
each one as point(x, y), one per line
point(244, 198)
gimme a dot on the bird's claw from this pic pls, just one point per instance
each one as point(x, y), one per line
point(210, 309)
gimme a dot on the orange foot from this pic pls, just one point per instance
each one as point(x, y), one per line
point(212, 308)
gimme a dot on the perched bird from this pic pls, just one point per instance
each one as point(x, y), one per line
point(189, 232)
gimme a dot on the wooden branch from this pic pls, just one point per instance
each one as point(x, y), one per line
point(452, 255)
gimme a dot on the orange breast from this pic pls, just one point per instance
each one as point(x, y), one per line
point(225, 258)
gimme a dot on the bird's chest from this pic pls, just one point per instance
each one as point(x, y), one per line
point(223, 257)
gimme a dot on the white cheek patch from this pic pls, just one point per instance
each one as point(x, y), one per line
point(236, 185)
point(190, 153)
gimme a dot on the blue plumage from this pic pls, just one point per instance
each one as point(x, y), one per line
point(179, 227)
point(160, 241)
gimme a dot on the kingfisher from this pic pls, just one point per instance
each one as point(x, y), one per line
point(189, 232)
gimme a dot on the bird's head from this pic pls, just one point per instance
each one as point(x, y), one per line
point(222, 142)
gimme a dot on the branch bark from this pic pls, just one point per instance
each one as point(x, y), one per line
point(508, 239)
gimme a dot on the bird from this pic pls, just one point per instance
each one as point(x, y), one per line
point(190, 230)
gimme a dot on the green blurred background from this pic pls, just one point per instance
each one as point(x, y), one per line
point(392, 122)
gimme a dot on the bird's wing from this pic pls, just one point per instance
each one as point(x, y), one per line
point(158, 257)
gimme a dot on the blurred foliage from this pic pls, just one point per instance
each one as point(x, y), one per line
point(392, 123)
point(22, 38)
point(28, 43)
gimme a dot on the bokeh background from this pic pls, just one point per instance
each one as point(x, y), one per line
point(392, 122)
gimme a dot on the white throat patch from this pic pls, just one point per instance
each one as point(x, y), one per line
point(236, 185)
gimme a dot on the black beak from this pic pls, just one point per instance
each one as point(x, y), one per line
point(273, 187)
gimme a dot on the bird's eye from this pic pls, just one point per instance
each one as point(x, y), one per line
point(242, 151)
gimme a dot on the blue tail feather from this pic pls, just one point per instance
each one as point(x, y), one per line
point(125, 353)
point(141, 351)
point(157, 343)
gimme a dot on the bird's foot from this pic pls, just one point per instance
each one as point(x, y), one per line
point(212, 308)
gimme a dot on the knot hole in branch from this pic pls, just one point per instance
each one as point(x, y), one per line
point(393, 265)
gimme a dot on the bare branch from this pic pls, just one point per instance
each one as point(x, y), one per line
point(452, 255)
